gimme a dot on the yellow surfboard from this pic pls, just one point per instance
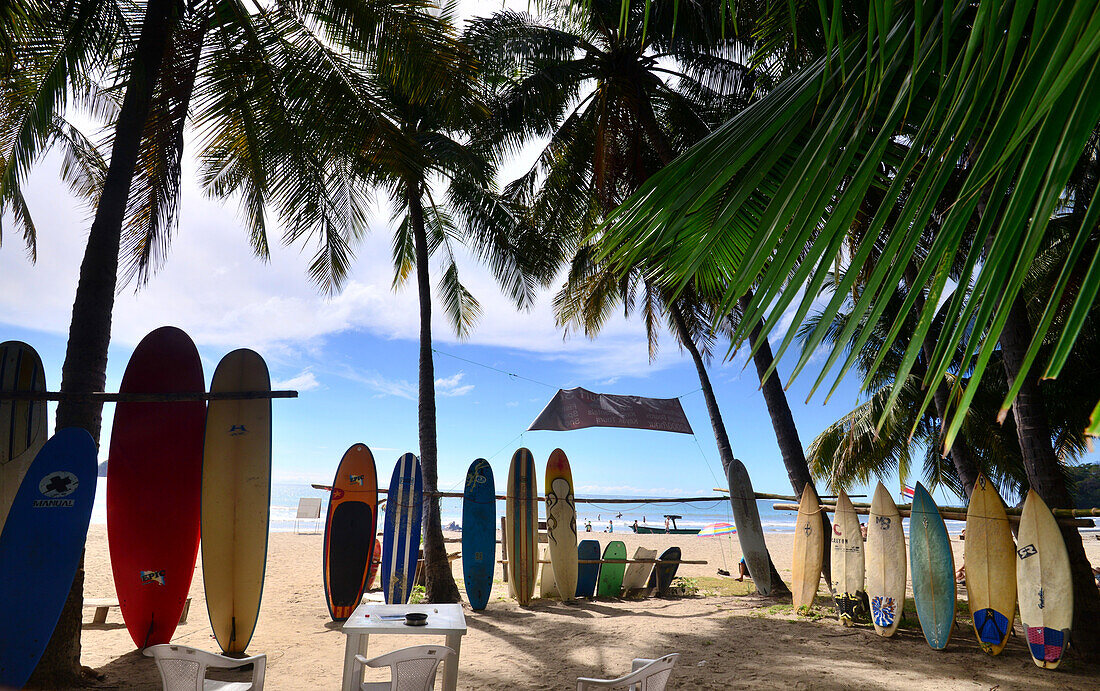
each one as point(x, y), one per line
point(236, 496)
point(22, 423)
point(809, 549)
point(990, 559)
point(561, 523)
point(885, 563)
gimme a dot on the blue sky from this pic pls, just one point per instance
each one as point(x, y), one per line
point(353, 357)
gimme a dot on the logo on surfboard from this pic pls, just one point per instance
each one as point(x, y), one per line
point(237, 430)
point(152, 577)
point(55, 486)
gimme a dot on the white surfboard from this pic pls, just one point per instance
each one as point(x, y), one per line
point(847, 561)
point(809, 549)
point(885, 563)
point(1044, 582)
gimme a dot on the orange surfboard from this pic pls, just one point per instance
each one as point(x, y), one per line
point(349, 531)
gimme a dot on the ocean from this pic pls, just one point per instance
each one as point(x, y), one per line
point(285, 496)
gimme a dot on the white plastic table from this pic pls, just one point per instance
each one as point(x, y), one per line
point(443, 620)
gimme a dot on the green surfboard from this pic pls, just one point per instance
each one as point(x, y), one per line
point(610, 583)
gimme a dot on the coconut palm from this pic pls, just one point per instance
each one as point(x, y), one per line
point(1008, 88)
point(252, 81)
point(413, 152)
point(617, 101)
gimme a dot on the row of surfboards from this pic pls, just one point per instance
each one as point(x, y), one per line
point(1035, 566)
point(612, 575)
point(176, 469)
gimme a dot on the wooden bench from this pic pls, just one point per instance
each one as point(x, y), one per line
point(103, 604)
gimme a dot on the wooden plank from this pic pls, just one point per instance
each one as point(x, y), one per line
point(955, 514)
point(104, 397)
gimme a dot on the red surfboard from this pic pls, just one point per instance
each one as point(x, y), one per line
point(154, 486)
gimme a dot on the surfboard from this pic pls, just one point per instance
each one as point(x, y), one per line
point(587, 550)
point(885, 556)
point(547, 587)
point(375, 561)
point(401, 537)
point(523, 515)
point(610, 582)
point(990, 558)
point(637, 575)
point(847, 561)
point(561, 521)
point(663, 573)
point(1045, 582)
point(809, 549)
point(933, 568)
point(154, 486)
point(22, 423)
point(40, 549)
point(479, 535)
point(750, 533)
point(236, 500)
point(350, 526)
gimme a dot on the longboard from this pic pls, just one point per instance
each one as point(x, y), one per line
point(22, 423)
point(750, 533)
point(610, 582)
point(522, 512)
point(154, 486)
point(663, 573)
point(809, 549)
point(41, 547)
point(236, 500)
point(885, 562)
point(637, 575)
point(990, 558)
point(561, 521)
point(933, 568)
point(1045, 583)
point(479, 535)
point(401, 537)
point(350, 526)
point(847, 561)
point(587, 550)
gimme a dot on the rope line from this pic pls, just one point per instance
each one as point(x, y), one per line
point(513, 375)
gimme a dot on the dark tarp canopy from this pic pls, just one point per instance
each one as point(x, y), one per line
point(579, 408)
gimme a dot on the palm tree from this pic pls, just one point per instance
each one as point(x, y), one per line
point(1005, 88)
point(410, 153)
point(251, 80)
point(617, 102)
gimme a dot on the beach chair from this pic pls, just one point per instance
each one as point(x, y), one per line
point(309, 509)
point(645, 675)
point(184, 669)
point(411, 669)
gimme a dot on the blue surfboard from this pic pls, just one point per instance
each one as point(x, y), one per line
point(933, 569)
point(40, 548)
point(479, 533)
point(401, 536)
point(587, 574)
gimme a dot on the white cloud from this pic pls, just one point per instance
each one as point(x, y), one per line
point(451, 386)
point(303, 381)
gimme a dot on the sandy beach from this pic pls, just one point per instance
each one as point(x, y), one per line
point(727, 640)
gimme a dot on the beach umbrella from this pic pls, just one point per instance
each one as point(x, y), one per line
point(718, 529)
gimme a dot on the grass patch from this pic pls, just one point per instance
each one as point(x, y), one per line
point(713, 586)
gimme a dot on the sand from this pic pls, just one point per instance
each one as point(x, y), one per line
point(725, 641)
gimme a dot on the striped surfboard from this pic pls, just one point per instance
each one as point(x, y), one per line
point(401, 536)
point(22, 423)
point(523, 516)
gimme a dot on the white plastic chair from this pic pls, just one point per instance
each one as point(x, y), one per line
point(184, 669)
point(645, 675)
point(411, 669)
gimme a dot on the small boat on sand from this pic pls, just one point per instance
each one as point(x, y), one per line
point(669, 529)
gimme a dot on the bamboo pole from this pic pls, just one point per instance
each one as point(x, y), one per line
point(952, 513)
point(163, 397)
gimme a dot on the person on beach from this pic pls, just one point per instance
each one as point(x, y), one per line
point(587, 525)
point(635, 526)
point(611, 526)
point(666, 524)
point(742, 570)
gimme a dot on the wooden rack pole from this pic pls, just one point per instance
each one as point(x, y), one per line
point(104, 397)
point(595, 500)
point(623, 561)
point(954, 514)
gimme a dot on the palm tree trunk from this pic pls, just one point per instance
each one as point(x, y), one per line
point(786, 432)
point(1044, 474)
point(437, 569)
point(85, 366)
point(725, 450)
